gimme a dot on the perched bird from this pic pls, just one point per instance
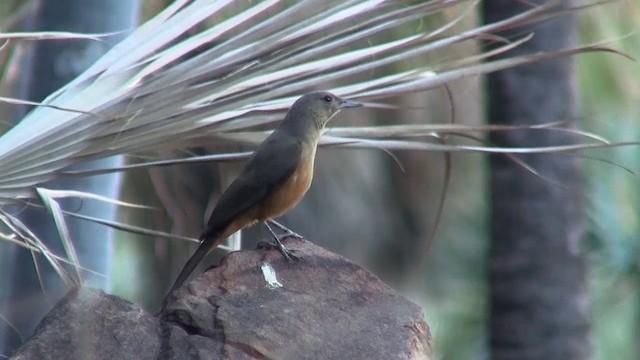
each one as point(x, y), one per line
point(274, 179)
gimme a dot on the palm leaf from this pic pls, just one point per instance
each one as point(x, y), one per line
point(165, 86)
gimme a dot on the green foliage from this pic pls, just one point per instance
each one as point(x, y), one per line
point(610, 93)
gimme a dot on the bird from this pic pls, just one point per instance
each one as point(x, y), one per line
point(273, 181)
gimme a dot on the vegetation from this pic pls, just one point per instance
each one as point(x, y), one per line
point(174, 85)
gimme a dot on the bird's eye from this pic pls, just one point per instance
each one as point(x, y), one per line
point(327, 98)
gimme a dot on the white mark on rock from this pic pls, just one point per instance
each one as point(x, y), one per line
point(270, 276)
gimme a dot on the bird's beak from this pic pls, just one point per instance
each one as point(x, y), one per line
point(348, 104)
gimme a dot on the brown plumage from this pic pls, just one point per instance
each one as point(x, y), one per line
point(275, 178)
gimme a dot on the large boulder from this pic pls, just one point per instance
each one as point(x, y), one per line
point(254, 305)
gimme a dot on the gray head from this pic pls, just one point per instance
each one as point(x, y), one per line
point(317, 109)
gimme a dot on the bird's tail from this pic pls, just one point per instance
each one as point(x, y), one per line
point(208, 241)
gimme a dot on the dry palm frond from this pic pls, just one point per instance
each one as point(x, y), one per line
point(163, 89)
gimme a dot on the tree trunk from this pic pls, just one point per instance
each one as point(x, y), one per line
point(537, 266)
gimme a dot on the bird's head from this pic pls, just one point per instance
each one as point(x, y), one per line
point(319, 107)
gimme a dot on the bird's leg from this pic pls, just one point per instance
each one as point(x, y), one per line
point(288, 232)
point(285, 252)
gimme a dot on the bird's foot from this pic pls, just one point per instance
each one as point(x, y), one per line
point(283, 249)
point(288, 254)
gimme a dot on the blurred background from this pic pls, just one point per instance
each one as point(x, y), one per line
point(380, 211)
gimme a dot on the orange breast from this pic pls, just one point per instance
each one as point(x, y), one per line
point(291, 192)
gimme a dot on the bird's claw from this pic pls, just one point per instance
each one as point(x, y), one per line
point(289, 255)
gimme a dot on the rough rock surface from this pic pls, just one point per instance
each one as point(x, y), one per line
point(254, 305)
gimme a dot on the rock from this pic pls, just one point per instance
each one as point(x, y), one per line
point(254, 305)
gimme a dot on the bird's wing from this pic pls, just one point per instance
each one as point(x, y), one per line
point(271, 165)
